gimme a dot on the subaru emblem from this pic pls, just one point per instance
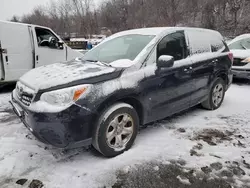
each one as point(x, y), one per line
point(20, 90)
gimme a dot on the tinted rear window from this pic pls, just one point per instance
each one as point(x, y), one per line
point(206, 41)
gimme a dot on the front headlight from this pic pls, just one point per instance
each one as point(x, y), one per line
point(247, 60)
point(65, 96)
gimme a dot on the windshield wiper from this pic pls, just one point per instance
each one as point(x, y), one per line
point(95, 61)
point(243, 46)
point(102, 63)
point(106, 64)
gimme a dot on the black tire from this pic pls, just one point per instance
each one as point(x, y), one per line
point(100, 141)
point(209, 103)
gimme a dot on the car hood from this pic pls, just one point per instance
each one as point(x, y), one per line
point(59, 74)
point(242, 54)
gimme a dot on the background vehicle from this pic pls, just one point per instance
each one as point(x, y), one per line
point(24, 47)
point(133, 77)
point(240, 47)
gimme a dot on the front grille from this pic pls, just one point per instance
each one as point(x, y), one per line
point(24, 94)
point(238, 62)
point(25, 98)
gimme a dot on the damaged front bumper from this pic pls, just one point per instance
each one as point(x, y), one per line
point(70, 128)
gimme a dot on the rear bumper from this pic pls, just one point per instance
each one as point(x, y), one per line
point(241, 73)
point(67, 129)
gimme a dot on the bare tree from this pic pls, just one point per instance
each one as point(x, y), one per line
point(14, 19)
point(79, 16)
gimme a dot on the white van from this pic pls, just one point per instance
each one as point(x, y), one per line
point(24, 47)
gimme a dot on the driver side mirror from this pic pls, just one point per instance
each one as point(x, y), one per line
point(165, 61)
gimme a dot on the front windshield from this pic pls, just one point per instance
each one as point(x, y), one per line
point(242, 44)
point(124, 47)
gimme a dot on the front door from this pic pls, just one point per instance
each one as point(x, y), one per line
point(169, 90)
point(47, 48)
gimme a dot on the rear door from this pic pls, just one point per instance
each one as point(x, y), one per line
point(16, 54)
point(45, 52)
point(205, 57)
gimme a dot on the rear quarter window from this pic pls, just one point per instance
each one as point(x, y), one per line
point(218, 45)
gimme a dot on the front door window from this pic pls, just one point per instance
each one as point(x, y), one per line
point(174, 45)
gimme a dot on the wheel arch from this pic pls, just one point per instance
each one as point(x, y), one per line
point(223, 75)
point(131, 100)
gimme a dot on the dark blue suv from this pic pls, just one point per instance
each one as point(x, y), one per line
point(132, 78)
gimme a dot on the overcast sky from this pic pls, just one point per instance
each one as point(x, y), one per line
point(8, 8)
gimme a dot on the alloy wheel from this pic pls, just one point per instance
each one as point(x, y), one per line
point(120, 131)
point(217, 96)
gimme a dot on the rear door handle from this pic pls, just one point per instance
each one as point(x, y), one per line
point(188, 69)
point(215, 61)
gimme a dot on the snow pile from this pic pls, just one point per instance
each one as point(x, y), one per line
point(4, 102)
point(184, 180)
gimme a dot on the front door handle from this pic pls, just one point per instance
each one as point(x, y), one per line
point(4, 51)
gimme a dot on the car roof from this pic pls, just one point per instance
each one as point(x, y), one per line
point(23, 24)
point(159, 30)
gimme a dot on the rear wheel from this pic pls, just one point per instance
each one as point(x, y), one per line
point(116, 130)
point(216, 95)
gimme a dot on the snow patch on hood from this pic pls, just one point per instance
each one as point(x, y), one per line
point(122, 63)
point(241, 53)
point(62, 73)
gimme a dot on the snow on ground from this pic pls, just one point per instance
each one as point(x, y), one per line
point(4, 102)
point(202, 139)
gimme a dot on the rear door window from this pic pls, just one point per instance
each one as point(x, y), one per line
point(199, 41)
point(174, 45)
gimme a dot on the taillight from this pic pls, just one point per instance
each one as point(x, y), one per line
point(231, 57)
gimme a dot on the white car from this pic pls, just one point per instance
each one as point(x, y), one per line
point(240, 47)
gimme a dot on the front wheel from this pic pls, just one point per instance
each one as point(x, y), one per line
point(216, 95)
point(116, 130)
